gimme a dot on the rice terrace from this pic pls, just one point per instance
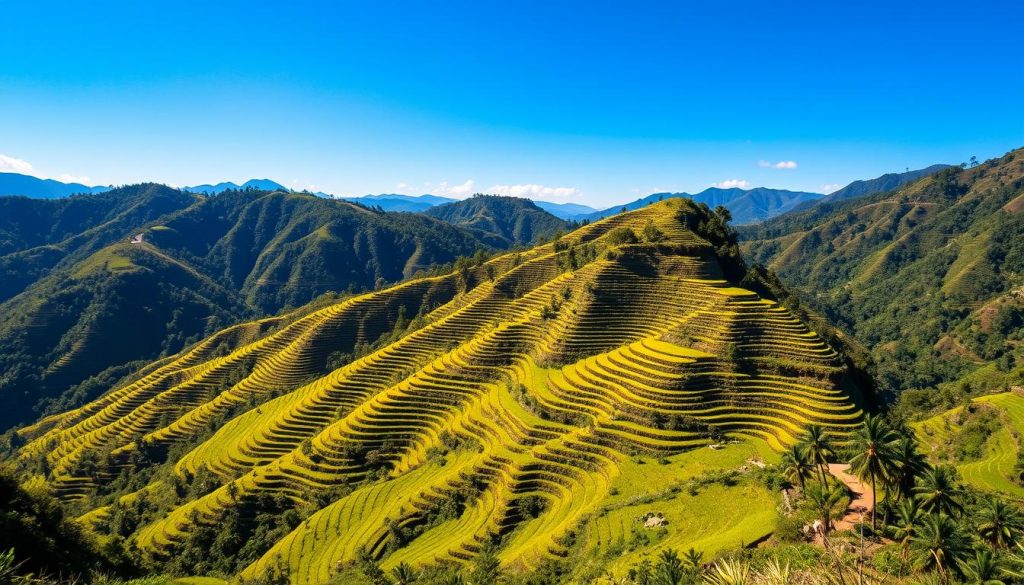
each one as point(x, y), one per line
point(561, 293)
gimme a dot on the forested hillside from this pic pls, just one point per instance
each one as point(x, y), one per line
point(929, 276)
point(93, 284)
point(520, 409)
point(503, 221)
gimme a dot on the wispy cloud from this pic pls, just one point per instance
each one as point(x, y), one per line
point(782, 164)
point(10, 164)
point(534, 191)
point(732, 183)
point(830, 187)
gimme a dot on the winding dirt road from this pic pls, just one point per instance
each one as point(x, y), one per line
point(862, 493)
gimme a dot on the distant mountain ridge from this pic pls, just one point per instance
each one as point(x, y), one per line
point(746, 205)
point(501, 221)
point(29, 186)
point(258, 184)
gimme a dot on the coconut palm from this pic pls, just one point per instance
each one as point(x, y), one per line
point(818, 447)
point(828, 502)
point(999, 523)
point(910, 464)
point(693, 560)
point(939, 544)
point(873, 445)
point(403, 574)
point(938, 491)
point(797, 466)
point(669, 570)
point(982, 569)
point(909, 516)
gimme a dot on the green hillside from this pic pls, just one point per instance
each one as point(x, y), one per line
point(537, 402)
point(502, 221)
point(928, 276)
point(82, 306)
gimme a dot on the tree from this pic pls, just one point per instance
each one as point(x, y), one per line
point(938, 491)
point(939, 544)
point(999, 523)
point(404, 574)
point(983, 569)
point(818, 447)
point(873, 457)
point(797, 466)
point(909, 516)
point(826, 501)
point(669, 570)
point(486, 567)
point(694, 560)
point(910, 464)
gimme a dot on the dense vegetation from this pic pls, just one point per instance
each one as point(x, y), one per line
point(505, 221)
point(928, 276)
point(82, 307)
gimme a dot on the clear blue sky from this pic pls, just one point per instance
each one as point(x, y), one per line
point(594, 102)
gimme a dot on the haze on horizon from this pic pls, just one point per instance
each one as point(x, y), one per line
point(577, 102)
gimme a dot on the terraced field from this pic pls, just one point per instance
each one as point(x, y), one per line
point(994, 471)
point(536, 400)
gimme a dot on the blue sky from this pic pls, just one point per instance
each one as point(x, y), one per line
point(594, 102)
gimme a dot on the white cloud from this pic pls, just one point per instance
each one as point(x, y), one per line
point(9, 164)
point(456, 191)
point(830, 187)
point(732, 183)
point(534, 191)
point(782, 164)
point(68, 178)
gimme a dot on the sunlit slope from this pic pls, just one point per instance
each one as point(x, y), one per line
point(531, 381)
point(996, 468)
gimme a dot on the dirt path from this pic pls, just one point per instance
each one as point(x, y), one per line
point(861, 503)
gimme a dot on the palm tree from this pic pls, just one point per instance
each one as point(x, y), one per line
point(818, 447)
point(999, 523)
point(826, 501)
point(670, 569)
point(983, 569)
point(909, 516)
point(693, 560)
point(938, 491)
point(939, 544)
point(796, 465)
point(404, 574)
point(910, 464)
point(873, 446)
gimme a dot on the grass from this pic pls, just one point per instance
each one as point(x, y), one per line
point(994, 470)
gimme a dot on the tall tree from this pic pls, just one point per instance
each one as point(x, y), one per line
point(873, 447)
point(818, 447)
point(910, 464)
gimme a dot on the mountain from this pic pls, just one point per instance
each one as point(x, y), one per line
point(506, 220)
point(566, 211)
point(393, 202)
point(886, 182)
point(29, 186)
point(257, 184)
point(92, 284)
point(514, 410)
point(928, 276)
point(746, 205)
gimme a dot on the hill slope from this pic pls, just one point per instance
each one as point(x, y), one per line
point(420, 422)
point(78, 302)
point(506, 221)
point(929, 276)
point(746, 205)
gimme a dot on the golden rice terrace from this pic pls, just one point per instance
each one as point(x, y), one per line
point(536, 376)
